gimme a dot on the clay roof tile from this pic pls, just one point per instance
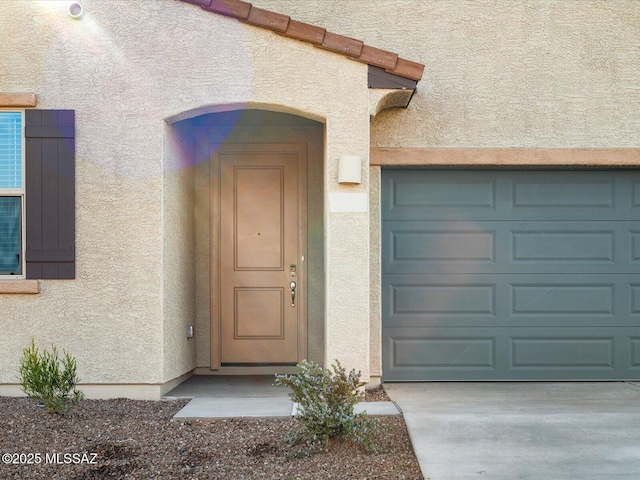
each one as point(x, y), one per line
point(230, 8)
point(266, 19)
point(305, 32)
point(318, 36)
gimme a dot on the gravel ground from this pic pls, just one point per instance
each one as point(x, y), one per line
point(138, 440)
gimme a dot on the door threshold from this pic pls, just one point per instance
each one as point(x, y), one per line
point(253, 370)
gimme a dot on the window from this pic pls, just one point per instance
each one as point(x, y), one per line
point(11, 192)
point(37, 194)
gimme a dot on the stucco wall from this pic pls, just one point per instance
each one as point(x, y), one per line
point(501, 73)
point(179, 281)
point(127, 68)
point(375, 294)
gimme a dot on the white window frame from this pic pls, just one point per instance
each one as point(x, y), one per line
point(18, 192)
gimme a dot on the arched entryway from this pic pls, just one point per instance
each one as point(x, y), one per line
point(258, 181)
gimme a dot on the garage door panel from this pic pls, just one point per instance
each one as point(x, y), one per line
point(634, 353)
point(634, 242)
point(511, 275)
point(553, 244)
point(486, 195)
point(440, 350)
point(441, 190)
point(434, 300)
point(565, 299)
point(592, 352)
point(570, 195)
point(634, 299)
point(567, 353)
point(510, 247)
point(516, 300)
point(410, 196)
point(450, 243)
point(562, 191)
point(442, 298)
point(448, 352)
point(573, 300)
point(528, 354)
point(635, 193)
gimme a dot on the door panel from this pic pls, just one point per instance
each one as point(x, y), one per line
point(260, 239)
point(258, 214)
point(251, 304)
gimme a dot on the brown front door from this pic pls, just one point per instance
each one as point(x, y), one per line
point(261, 247)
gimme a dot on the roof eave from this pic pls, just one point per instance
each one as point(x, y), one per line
point(388, 62)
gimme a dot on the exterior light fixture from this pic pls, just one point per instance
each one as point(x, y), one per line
point(76, 11)
point(349, 169)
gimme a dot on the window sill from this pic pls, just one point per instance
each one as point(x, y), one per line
point(19, 286)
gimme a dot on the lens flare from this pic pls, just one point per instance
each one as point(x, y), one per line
point(125, 79)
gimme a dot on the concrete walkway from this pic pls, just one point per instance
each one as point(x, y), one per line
point(247, 396)
point(541, 431)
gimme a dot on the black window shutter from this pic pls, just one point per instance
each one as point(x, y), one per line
point(50, 193)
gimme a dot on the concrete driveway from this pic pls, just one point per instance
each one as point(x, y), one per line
point(542, 431)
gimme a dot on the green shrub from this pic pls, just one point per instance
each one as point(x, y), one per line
point(47, 378)
point(326, 398)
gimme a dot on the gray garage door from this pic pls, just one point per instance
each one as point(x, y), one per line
point(511, 275)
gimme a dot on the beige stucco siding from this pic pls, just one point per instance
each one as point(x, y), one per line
point(530, 73)
point(499, 73)
point(178, 253)
point(130, 69)
point(375, 294)
point(524, 74)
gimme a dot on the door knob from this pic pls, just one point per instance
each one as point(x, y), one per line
point(293, 293)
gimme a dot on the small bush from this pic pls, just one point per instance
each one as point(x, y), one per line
point(47, 378)
point(326, 398)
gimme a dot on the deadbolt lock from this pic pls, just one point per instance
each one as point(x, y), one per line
point(292, 270)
